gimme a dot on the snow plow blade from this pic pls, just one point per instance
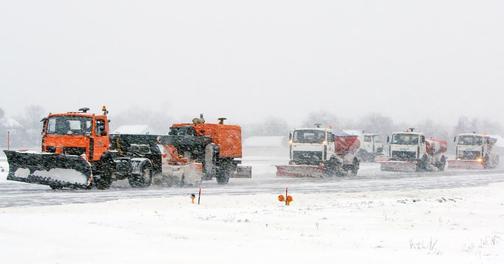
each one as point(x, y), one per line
point(465, 164)
point(398, 166)
point(57, 171)
point(300, 171)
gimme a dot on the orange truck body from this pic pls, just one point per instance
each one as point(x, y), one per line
point(227, 137)
point(100, 143)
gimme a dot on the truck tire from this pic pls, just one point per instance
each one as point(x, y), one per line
point(442, 163)
point(224, 172)
point(486, 162)
point(144, 178)
point(331, 167)
point(103, 182)
point(106, 169)
point(422, 163)
point(355, 167)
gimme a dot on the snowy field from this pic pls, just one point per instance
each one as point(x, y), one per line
point(428, 226)
point(376, 217)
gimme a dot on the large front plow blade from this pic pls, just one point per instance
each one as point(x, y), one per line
point(466, 164)
point(57, 171)
point(300, 171)
point(398, 166)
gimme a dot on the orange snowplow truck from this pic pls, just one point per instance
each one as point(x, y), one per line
point(79, 152)
point(221, 156)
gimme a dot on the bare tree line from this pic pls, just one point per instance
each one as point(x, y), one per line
point(25, 132)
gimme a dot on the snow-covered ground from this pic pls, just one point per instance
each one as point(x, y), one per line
point(426, 226)
point(376, 217)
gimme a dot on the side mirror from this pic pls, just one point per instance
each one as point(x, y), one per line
point(388, 139)
point(290, 136)
point(455, 139)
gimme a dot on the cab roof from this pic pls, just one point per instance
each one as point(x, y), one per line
point(76, 114)
point(408, 133)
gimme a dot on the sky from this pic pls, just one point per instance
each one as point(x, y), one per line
point(248, 60)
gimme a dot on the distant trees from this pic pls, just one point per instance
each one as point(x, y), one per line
point(323, 118)
point(434, 129)
point(377, 123)
point(468, 125)
point(32, 127)
point(272, 126)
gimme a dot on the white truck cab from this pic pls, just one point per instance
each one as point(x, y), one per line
point(476, 147)
point(311, 146)
point(407, 146)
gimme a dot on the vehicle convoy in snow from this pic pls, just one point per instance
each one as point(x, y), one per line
point(371, 146)
point(410, 151)
point(79, 152)
point(474, 151)
point(321, 152)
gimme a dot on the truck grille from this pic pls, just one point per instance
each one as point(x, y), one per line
point(307, 157)
point(471, 155)
point(404, 155)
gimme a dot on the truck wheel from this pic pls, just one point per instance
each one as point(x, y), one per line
point(224, 172)
point(442, 163)
point(103, 182)
point(331, 167)
point(422, 163)
point(106, 166)
point(144, 179)
point(355, 167)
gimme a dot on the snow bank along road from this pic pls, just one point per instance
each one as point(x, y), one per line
point(370, 178)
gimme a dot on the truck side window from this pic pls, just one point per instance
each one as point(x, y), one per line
point(100, 128)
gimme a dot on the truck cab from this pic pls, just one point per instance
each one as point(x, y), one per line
point(311, 146)
point(476, 147)
point(407, 146)
point(371, 145)
point(76, 133)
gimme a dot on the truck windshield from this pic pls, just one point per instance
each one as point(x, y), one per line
point(470, 140)
point(308, 136)
point(69, 125)
point(405, 139)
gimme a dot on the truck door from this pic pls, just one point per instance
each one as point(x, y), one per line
point(422, 147)
point(101, 138)
point(331, 145)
